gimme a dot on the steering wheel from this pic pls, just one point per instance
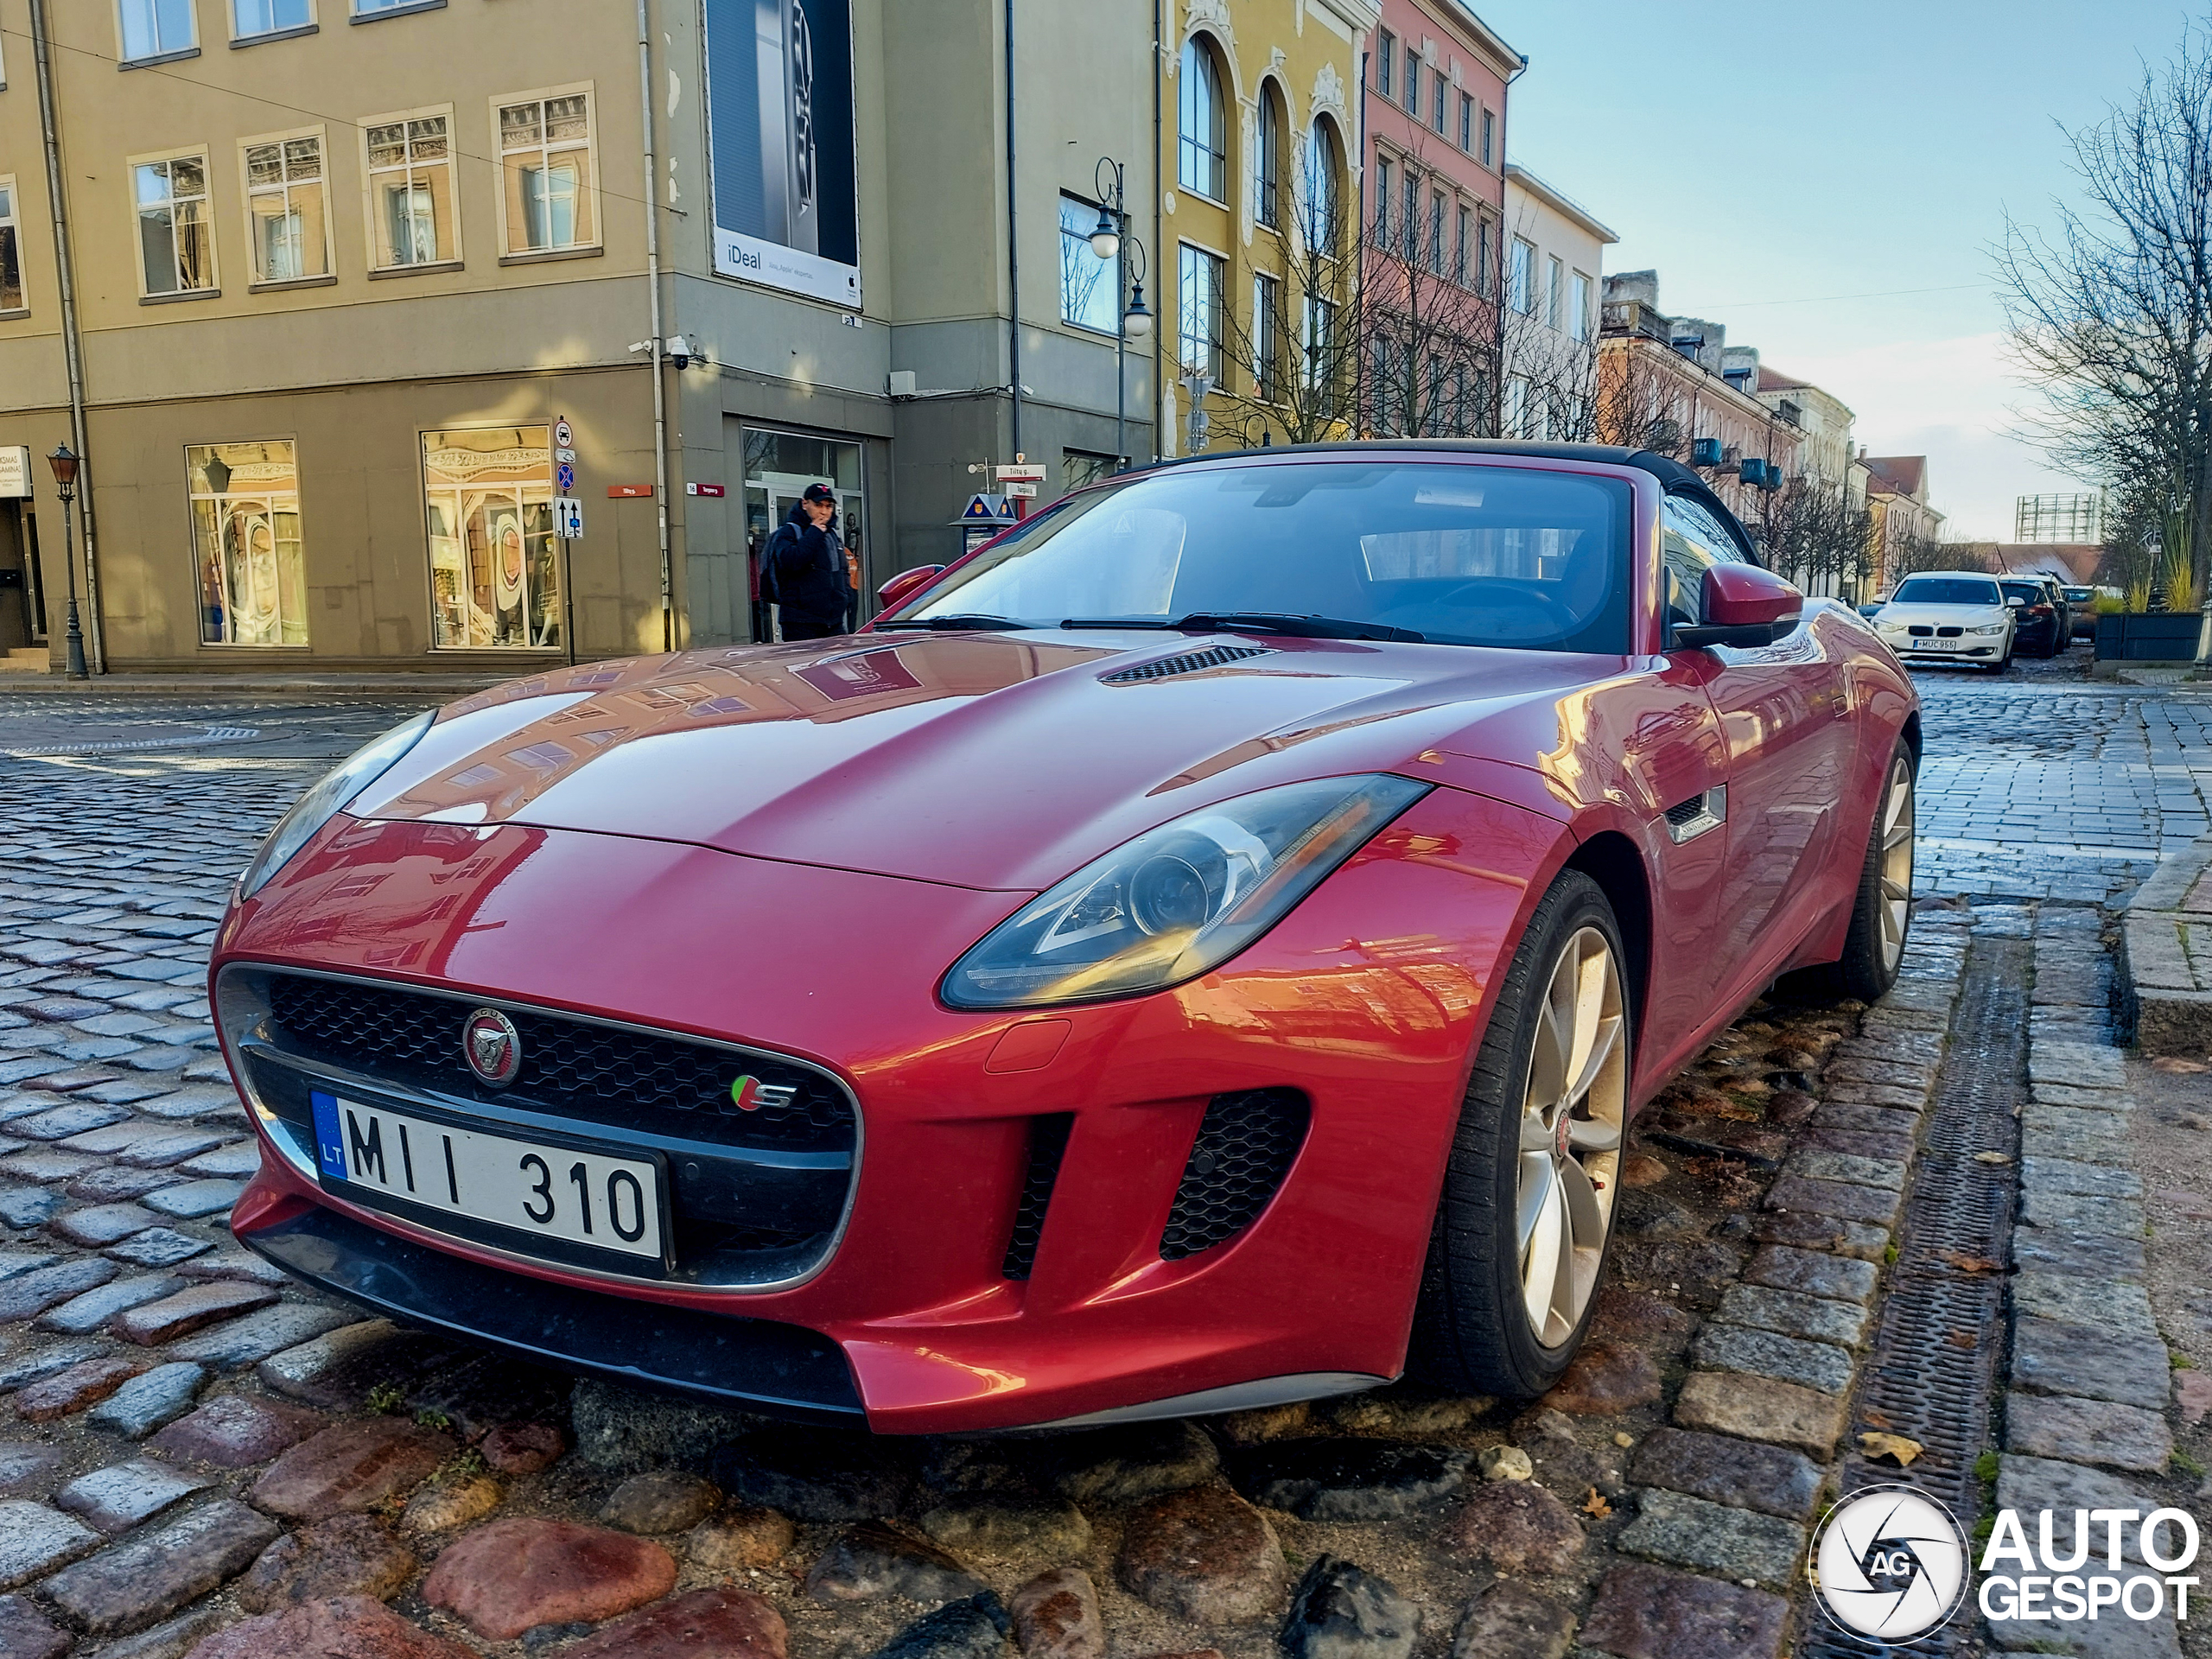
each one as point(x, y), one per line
point(1557, 611)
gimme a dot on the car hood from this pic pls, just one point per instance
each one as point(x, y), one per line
point(998, 761)
point(1958, 616)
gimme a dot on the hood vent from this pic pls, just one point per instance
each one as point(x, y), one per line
point(1190, 662)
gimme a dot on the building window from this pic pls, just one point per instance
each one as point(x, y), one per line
point(1323, 190)
point(252, 18)
point(1086, 280)
point(372, 8)
point(1080, 469)
point(495, 569)
point(411, 192)
point(1267, 335)
point(1520, 278)
point(176, 253)
point(245, 540)
point(1269, 194)
point(1578, 318)
point(1459, 247)
point(1489, 130)
point(1202, 153)
point(1320, 339)
point(156, 28)
point(1555, 292)
point(1517, 406)
point(1386, 52)
point(11, 256)
point(1466, 123)
point(1439, 104)
point(546, 173)
point(287, 213)
point(1485, 261)
point(1409, 215)
point(1412, 82)
point(1382, 203)
point(1198, 287)
point(1436, 234)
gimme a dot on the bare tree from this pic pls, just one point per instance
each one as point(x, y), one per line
point(1813, 535)
point(2111, 314)
point(1293, 359)
point(1911, 554)
point(1640, 402)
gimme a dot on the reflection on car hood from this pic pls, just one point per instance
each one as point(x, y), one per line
point(999, 760)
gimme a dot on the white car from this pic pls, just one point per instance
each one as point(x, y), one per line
point(1953, 616)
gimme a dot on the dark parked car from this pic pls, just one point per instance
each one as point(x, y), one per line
point(2082, 606)
point(2040, 628)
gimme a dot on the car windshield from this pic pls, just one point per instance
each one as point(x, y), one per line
point(1947, 590)
point(1457, 554)
point(2030, 591)
point(2078, 595)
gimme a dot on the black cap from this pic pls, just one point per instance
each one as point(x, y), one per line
point(819, 493)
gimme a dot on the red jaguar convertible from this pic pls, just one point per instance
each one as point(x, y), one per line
point(1202, 950)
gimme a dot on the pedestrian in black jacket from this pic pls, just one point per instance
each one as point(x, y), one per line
point(805, 561)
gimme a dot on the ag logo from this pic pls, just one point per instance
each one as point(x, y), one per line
point(1890, 1563)
point(491, 1045)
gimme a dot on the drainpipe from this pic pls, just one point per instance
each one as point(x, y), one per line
point(1497, 288)
point(653, 283)
point(1013, 242)
point(72, 344)
point(1159, 247)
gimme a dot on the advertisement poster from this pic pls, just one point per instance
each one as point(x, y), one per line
point(779, 110)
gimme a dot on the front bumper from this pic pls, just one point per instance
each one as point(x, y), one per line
point(1364, 1003)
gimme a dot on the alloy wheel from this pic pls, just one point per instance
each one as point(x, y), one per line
point(1895, 862)
point(1572, 1112)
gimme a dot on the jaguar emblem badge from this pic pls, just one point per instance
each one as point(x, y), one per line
point(491, 1045)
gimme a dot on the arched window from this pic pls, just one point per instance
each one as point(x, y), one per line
point(1267, 165)
point(1324, 188)
point(1202, 165)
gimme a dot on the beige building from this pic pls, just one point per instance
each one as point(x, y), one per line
point(1554, 257)
point(344, 269)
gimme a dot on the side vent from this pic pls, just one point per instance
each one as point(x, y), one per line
point(1190, 662)
point(1048, 1142)
point(1245, 1145)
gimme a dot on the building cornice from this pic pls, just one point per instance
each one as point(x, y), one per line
point(1567, 206)
point(1505, 61)
point(1360, 16)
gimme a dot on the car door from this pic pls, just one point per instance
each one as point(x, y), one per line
point(1784, 719)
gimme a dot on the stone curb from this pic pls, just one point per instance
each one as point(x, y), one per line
point(2162, 1001)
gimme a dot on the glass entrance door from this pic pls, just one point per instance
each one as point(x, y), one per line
point(778, 467)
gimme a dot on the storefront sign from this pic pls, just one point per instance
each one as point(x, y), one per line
point(14, 471)
point(780, 115)
point(628, 492)
point(704, 489)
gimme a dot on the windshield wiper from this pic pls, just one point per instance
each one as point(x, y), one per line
point(969, 620)
point(1302, 628)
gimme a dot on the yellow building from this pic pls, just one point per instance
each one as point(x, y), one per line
point(1257, 226)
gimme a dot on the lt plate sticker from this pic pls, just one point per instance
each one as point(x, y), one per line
point(585, 1198)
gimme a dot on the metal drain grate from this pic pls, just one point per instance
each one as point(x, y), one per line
point(1939, 1345)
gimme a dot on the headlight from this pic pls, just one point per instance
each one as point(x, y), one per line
point(1179, 900)
point(1990, 629)
point(315, 807)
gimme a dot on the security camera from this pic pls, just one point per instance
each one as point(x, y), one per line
point(679, 353)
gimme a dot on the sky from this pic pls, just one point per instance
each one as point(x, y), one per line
point(1830, 183)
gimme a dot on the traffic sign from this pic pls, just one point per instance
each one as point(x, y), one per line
point(1032, 474)
point(569, 455)
point(564, 478)
point(568, 518)
point(562, 436)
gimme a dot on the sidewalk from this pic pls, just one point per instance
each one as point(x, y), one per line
point(2166, 956)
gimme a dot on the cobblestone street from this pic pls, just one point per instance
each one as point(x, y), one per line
point(192, 1448)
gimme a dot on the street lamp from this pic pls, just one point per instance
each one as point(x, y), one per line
point(1110, 240)
point(65, 481)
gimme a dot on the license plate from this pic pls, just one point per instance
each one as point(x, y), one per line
point(582, 1197)
point(1936, 645)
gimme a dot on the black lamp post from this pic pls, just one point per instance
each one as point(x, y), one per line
point(1112, 241)
point(65, 481)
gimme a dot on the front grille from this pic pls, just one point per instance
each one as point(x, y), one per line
point(1190, 662)
point(1948, 633)
point(1048, 1142)
point(1245, 1145)
point(569, 1067)
point(1920, 631)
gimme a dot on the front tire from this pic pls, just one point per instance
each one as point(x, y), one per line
point(1881, 916)
point(1525, 1220)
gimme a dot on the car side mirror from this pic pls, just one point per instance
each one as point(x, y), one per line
point(904, 586)
point(2016, 599)
point(1743, 605)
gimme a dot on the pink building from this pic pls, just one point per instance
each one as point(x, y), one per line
point(1434, 201)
